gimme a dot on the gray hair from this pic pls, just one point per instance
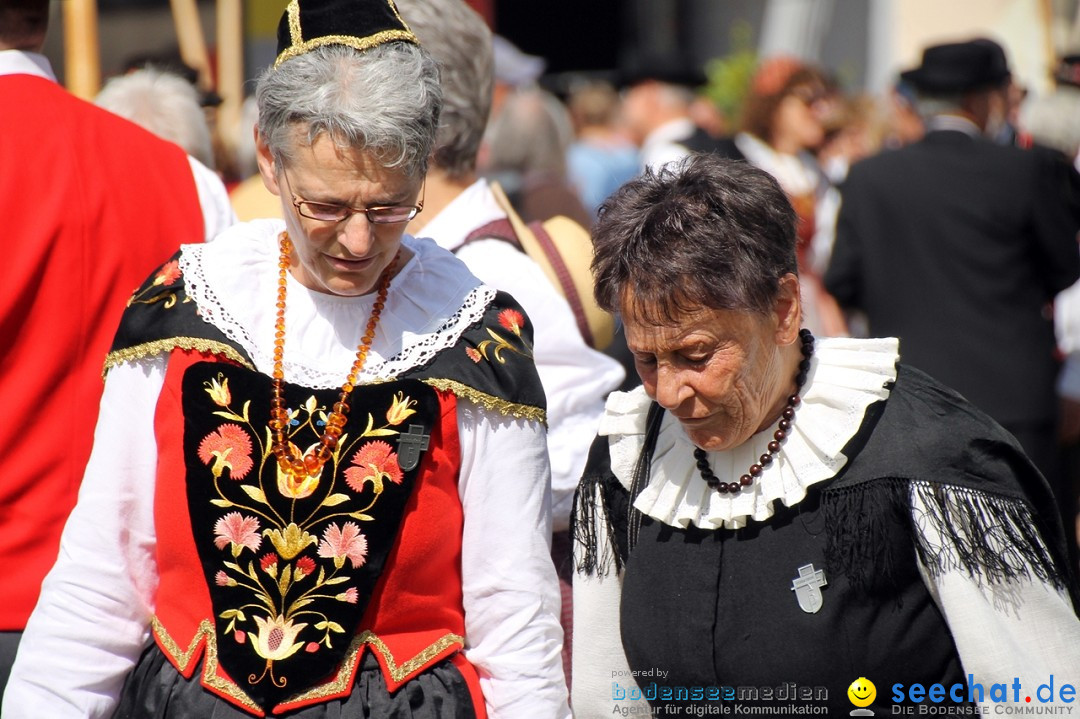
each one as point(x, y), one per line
point(1054, 119)
point(706, 232)
point(460, 41)
point(165, 104)
point(385, 101)
point(929, 105)
point(526, 135)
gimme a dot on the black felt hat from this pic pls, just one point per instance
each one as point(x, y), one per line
point(360, 24)
point(959, 67)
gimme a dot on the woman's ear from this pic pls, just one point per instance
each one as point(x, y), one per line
point(267, 166)
point(788, 309)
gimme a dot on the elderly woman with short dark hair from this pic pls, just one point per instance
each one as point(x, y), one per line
point(768, 512)
point(320, 483)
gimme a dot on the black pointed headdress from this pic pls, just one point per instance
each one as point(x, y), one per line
point(360, 24)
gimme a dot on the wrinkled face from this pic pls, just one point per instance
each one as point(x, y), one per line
point(718, 371)
point(345, 257)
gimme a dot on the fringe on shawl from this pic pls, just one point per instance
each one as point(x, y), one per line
point(991, 538)
point(599, 489)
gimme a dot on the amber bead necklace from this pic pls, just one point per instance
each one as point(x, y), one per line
point(781, 433)
point(289, 459)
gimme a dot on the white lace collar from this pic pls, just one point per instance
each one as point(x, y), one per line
point(233, 281)
point(846, 376)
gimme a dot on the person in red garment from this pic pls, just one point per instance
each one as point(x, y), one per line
point(89, 201)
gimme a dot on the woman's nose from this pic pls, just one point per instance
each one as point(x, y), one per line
point(671, 391)
point(357, 234)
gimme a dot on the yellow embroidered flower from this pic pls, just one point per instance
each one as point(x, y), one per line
point(276, 639)
point(290, 542)
point(401, 409)
point(298, 486)
point(219, 391)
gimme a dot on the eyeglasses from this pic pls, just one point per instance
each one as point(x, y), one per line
point(379, 215)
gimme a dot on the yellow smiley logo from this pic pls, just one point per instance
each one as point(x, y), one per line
point(862, 692)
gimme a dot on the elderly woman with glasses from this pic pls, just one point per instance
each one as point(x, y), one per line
point(320, 482)
point(769, 520)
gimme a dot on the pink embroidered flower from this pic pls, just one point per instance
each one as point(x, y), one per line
point(223, 580)
point(344, 542)
point(311, 647)
point(227, 446)
point(237, 530)
point(350, 595)
point(305, 566)
point(473, 354)
point(512, 320)
point(376, 461)
point(240, 636)
point(168, 274)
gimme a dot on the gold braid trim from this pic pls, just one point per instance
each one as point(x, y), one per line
point(357, 43)
point(488, 401)
point(182, 658)
point(338, 684)
point(345, 674)
point(149, 349)
point(398, 673)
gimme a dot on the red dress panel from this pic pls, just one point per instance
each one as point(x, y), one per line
point(90, 204)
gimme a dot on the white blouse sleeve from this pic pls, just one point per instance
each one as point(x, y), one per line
point(92, 620)
point(602, 682)
point(576, 378)
point(511, 593)
point(1009, 630)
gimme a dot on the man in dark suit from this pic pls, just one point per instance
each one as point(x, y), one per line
point(957, 245)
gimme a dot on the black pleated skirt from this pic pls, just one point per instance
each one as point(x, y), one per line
point(155, 690)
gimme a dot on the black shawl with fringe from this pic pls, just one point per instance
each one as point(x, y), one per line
point(979, 490)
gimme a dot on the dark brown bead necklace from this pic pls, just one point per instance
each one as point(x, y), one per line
point(781, 433)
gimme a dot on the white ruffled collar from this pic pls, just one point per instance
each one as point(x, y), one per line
point(233, 281)
point(846, 376)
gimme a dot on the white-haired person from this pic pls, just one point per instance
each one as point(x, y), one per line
point(320, 483)
point(163, 103)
